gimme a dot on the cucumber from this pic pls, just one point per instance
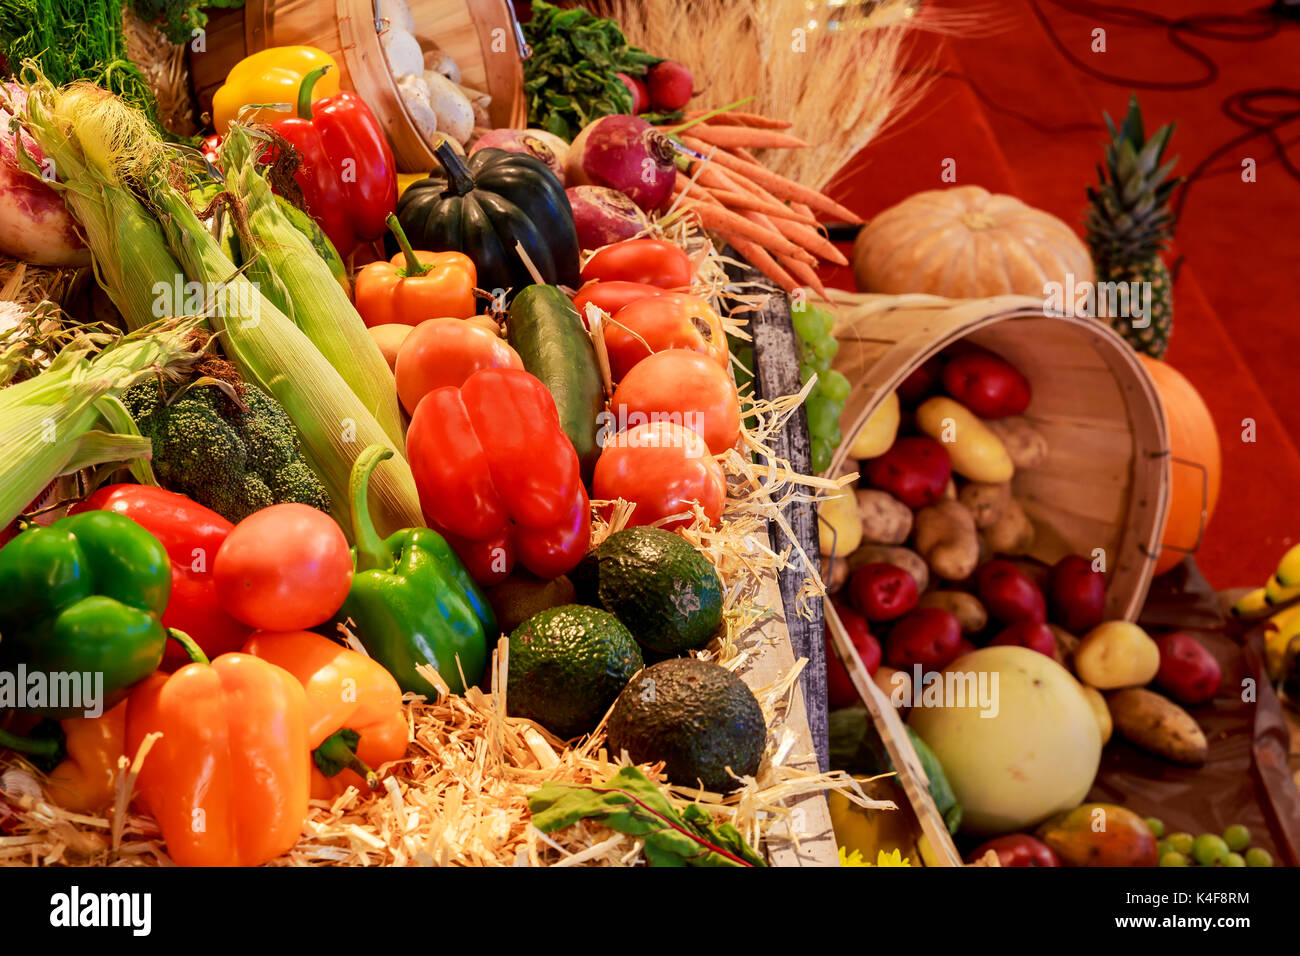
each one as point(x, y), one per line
point(544, 328)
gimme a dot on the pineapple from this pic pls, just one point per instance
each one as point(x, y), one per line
point(1128, 223)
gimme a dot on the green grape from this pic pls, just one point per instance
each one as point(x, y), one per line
point(821, 454)
point(1237, 837)
point(1173, 858)
point(807, 326)
point(836, 387)
point(1234, 859)
point(1162, 848)
point(1209, 849)
point(1180, 842)
point(835, 437)
point(1156, 826)
point(825, 321)
point(826, 349)
point(806, 372)
point(822, 420)
point(1258, 856)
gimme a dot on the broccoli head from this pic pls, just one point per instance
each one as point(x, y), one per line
point(232, 459)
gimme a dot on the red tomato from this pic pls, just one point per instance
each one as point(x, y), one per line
point(671, 320)
point(612, 296)
point(651, 261)
point(661, 468)
point(442, 352)
point(840, 691)
point(685, 387)
point(284, 568)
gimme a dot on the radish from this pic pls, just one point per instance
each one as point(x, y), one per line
point(671, 85)
point(640, 95)
point(35, 225)
point(624, 153)
point(603, 215)
point(538, 143)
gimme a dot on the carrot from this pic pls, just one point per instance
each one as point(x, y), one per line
point(800, 207)
point(713, 216)
point(806, 274)
point(737, 118)
point(778, 186)
point(774, 207)
point(810, 239)
point(728, 137)
point(761, 260)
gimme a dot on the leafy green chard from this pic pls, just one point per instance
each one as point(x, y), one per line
point(572, 76)
point(630, 803)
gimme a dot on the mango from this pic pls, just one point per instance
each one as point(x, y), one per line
point(1100, 834)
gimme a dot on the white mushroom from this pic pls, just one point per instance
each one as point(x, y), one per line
point(440, 62)
point(415, 96)
point(455, 114)
point(403, 52)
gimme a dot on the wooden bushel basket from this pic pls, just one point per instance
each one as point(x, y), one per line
point(480, 35)
point(1106, 480)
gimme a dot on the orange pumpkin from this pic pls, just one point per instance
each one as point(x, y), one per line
point(966, 243)
point(1192, 438)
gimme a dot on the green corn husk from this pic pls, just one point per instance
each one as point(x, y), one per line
point(286, 268)
point(115, 146)
point(53, 423)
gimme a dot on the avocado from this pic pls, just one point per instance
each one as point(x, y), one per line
point(523, 594)
point(567, 664)
point(697, 717)
point(655, 582)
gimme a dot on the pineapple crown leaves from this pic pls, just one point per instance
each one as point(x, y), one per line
point(1129, 217)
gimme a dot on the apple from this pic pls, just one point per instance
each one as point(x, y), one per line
point(840, 691)
point(671, 85)
point(1008, 594)
point(1076, 594)
point(923, 380)
point(1188, 672)
point(1034, 635)
point(1017, 849)
point(916, 470)
point(929, 636)
point(987, 384)
point(882, 592)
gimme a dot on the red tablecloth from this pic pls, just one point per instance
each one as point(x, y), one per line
point(1019, 110)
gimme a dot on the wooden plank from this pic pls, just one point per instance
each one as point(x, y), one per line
point(776, 373)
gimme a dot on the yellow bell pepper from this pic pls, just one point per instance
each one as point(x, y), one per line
point(272, 75)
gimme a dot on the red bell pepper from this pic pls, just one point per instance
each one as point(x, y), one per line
point(497, 476)
point(191, 534)
point(347, 174)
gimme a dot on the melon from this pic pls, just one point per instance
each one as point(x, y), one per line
point(1035, 757)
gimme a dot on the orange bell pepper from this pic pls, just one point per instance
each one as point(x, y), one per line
point(414, 286)
point(229, 779)
point(346, 691)
point(84, 781)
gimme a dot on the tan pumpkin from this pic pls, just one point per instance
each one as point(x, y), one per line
point(967, 243)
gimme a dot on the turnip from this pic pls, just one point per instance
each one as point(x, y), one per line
point(538, 143)
point(603, 215)
point(670, 85)
point(35, 226)
point(624, 153)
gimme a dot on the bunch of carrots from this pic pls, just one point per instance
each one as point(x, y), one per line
point(768, 219)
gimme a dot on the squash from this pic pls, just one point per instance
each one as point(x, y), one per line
point(966, 243)
point(1192, 438)
point(485, 206)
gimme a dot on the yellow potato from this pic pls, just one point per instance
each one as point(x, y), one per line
point(838, 524)
point(389, 338)
point(976, 452)
point(1099, 709)
point(895, 685)
point(1116, 654)
point(877, 435)
point(1157, 724)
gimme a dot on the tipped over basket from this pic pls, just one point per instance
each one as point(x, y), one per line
point(1105, 483)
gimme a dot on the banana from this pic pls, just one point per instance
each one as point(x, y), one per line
point(1283, 626)
point(1251, 606)
point(1276, 593)
point(1288, 569)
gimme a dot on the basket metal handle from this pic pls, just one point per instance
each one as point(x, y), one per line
point(525, 51)
point(1205, 506)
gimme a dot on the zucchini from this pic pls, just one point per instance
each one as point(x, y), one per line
point(546, 331)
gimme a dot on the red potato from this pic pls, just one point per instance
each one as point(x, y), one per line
point(921, 383)
point(640, 94)
point(670, 85)
point(839, 689)
point(1188, 672)
point(964, 647)
point(1008, 594)
point(928, 636)
point(1034, 635)
point(987, 384)
point(1076, 594)
point(882, 592)
point(915, 470)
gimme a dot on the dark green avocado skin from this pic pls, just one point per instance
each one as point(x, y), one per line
point(697, 717)
point(655, 582)
point(567, 664)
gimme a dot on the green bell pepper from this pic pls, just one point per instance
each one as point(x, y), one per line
point(412, 601)
point(83, 596)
